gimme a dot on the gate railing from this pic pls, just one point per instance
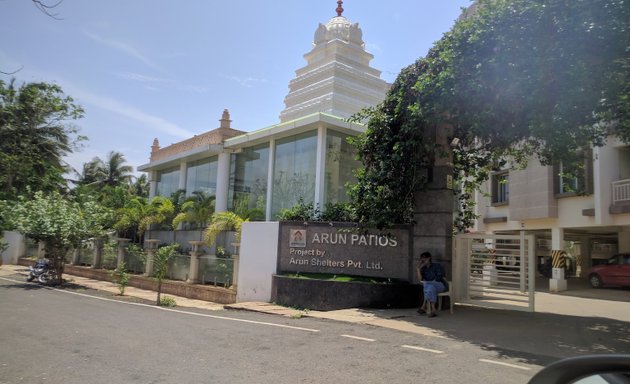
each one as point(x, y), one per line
point(495, 270)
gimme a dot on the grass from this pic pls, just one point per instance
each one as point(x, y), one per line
point(340, 278)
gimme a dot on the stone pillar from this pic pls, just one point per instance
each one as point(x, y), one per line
point(152, 245)
point(76, 256)
point(98, 253)
point(122, 251)
point(272, 157)
point(587, 257)
point(433, 231)
point(193, 273)
point(183, 174)
point(41, 250)
point(223, 182)
point(320, 166)
point(153, 184)
point(558, 282)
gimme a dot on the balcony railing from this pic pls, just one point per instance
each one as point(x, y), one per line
point(621, 191)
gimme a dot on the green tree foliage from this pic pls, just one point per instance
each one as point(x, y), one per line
point(61, 223)
point(140, 186)
point(111, 172)
point(138, 214)
point(514, 79)
point(35, 135)
point(223, 221)
point(196, 210)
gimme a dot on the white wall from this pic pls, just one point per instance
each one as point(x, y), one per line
point(258, 261)
point(16, 249)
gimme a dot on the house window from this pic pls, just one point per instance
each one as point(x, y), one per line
point(500, 188)
point(574, 178)
point(567, 181)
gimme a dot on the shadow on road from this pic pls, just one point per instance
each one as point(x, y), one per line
point(532, 338)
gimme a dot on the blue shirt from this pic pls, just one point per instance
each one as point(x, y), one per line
point(432, 272)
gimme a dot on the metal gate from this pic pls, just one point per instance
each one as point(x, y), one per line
point(496, 271)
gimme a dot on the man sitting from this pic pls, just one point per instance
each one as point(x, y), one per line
point(431, 276)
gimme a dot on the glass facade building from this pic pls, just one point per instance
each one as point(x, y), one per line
point(259, 174)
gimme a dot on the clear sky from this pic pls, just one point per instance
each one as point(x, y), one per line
point(167, 68)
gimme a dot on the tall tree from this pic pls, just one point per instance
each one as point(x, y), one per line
point(35, 134)
point(111, 172)
point(58, 221)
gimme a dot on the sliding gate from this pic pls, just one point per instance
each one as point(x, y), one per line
point(495, 271)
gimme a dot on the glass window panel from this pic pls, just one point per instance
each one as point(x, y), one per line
point(167, 182)
point(248, 182)
point(202, 176)
point(340, 164)
point(294, 171)
point(501, 187)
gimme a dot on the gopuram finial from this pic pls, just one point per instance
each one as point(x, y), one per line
point(339, 8)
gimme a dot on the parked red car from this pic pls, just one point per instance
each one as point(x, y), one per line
point(616, 271)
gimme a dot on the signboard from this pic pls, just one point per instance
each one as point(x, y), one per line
point(340, 248)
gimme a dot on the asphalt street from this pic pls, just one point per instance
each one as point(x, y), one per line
point(82, 336)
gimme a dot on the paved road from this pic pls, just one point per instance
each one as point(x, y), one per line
point(65, 336)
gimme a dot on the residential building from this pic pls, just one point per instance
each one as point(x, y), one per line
point(594, 224)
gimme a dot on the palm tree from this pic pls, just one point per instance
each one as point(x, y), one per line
point(34, 137)
point(221, 222)
point(113, 172)
point(140, 186)
point(196, 210)
point(139, 214)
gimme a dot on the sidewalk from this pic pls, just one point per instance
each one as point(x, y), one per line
point(563, 325)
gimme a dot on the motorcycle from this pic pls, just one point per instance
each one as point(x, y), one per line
point(43, 271)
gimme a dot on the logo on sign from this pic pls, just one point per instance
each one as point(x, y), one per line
point(297, 238)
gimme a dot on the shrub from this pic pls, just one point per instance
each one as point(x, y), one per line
point(167, 301)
